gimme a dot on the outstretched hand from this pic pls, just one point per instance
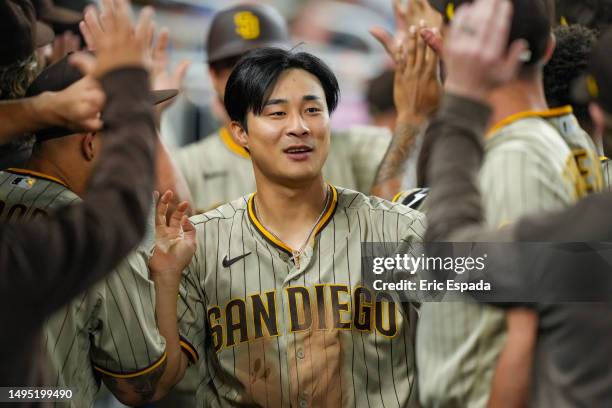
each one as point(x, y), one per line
point(476, 55)
point(175, 241)
point(118, 42)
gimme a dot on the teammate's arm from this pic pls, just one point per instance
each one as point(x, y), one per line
point(76, 107)
point(175, 245)
point(416, 94)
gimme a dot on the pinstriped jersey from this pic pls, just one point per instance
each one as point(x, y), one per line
point(218, 170)
point(111, 327)
point(415, 198)
point(528, 168)
point(275, 332)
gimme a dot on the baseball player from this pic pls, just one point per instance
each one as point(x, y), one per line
point(110, 331)
point(537, 160)
point(274, 303)
point(217, 169)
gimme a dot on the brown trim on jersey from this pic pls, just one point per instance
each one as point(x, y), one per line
point(269, 237)
point(189, 350)
point(134, 374)
point(35, 174)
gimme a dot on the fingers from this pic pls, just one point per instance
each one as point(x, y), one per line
point(107, 17)
point(420, 53)
point(178, 214)
point(411, 47)
point(93, 28)
point(500, 23)
point(84, 62)
point(143, 27)
point(187, 225)
point(386, 40)
point(162, 208)
point(180, 72)
point(123, 15)
point(160, 50)
point(433, 39)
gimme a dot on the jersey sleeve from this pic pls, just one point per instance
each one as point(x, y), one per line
point(518, 182)
point(126, 342)
point(368, 146)
point(191, 313)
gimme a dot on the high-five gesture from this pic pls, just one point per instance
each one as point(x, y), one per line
point(175, 241)
point(476, 51)
point(119, 43)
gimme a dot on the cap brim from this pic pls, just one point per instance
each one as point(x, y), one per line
point(163, 95)
point(44, 34)
point(61, 15)
point(580, 91)
point(238, 50)
point(157, 97)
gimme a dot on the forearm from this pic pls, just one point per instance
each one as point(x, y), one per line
point(166, 311)
point(388, 180)
point(170, 177)
point(85, 241)
point(454, 206)
point(26, 115)
point(513, 371)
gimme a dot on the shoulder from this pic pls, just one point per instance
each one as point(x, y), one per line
point(530, 138)
point(356, 134)
point(374, 209)
point(226, 211)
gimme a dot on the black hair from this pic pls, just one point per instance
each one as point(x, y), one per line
point(569, 62)
point(257, 72)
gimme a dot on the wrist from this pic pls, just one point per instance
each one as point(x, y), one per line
point(410, 118)
point(476, 93)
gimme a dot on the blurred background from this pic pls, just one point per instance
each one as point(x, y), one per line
point(336, 31)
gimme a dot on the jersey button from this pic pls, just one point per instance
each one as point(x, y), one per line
point(300, 354)
point(303, 403)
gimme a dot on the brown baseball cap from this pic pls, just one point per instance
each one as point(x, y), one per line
point(596, 85)
point(239, 29)
point(21, 32)
point(531, 21)
point(60, 76)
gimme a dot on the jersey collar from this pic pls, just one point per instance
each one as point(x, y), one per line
point(269, 237)
point(549, 113)
point(35, 174)
point(231, 144)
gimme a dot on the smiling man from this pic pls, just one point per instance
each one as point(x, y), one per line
point(273, 301)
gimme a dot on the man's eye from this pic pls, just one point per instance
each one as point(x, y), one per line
point(280, 113)
point(313, 110)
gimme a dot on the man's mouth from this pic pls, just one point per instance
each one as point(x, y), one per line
point(298, 153)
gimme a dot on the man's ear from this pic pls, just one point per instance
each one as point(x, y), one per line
point(239, 134)
point(88, 147)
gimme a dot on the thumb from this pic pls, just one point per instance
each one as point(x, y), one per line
point(84, 62)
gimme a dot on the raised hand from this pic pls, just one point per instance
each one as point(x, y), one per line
point(161, 76)
point(417, 13)
point(475, 52)
point(117, 41)
point(417, 90)
point(175, 242)
point(78, 107)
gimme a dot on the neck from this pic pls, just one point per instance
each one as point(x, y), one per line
point(290, 212)
point(50, 168)
point(518, 96)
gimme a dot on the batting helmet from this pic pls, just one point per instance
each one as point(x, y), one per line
point(239, 29)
